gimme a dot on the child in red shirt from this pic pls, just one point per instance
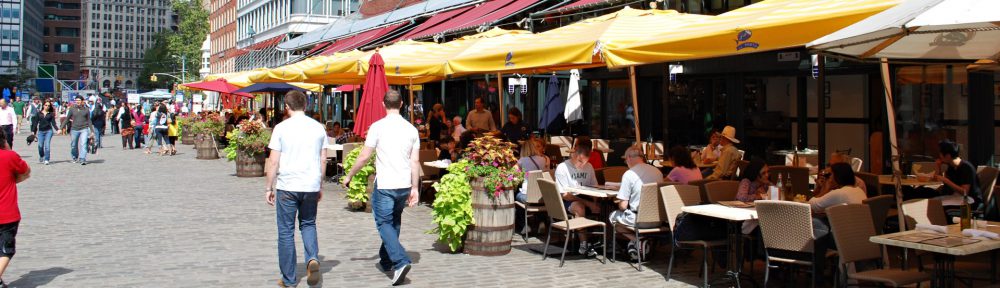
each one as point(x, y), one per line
point(13, 170)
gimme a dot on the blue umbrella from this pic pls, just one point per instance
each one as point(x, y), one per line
point(269, 87)
point(554, 105)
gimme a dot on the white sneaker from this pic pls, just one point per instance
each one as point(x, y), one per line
point(400, 275)
point(46, 162)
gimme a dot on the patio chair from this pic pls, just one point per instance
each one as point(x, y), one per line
point(722, 190)
point(856, 163)
point(797, 176)
point(559, 219)
point(740, 165)
point(922, 167)
point(650, 218)
point(923, 211)
point(879, 207)
point(851, 230)
point(602, 145)
point(788, 235)
point(987, 177)
point(534, 204)
point(871, 183)
point(701, 188)
point(674, 198)
point(612, 174)
point(427, 174)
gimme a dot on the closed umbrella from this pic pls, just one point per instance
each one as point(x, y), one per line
point(574, 108)
point(371, 108)
point(553, 103)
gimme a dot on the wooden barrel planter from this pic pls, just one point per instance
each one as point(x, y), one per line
point(249, 165)
point(206, 147)
point(187, 137)
point(491, 236)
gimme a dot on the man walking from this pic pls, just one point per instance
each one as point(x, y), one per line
point(78, 122)
point(97, 118)
point(298, 163)
point(8, 122)
point(396, 144)
point(14, 170)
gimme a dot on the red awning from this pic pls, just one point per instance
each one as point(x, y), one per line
point(485, 13)
point(361, 39)
point(268, 43)
point(319, 47)
point(579, 3)
point(346, 88)
point(439, 19)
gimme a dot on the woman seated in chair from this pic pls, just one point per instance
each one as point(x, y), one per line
point(754, 181)
point(532, 159)
point(684, 170)
point(843, 189)
point(823, 183)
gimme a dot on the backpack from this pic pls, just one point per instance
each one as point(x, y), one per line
point(162, 119)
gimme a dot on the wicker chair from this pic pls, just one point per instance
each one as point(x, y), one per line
point(879, 207)
point(871, 183)
point(798, 176)
point(560, 220)
point(427, 174)
point(534, 203)
point(851, 230)
point(788, 235)
point(924, 211)
point(650, 218)
point(722, 190)
point(613, 173)
point(987, 177)
point(856, 164)
point(675, 197)
point(701, 187)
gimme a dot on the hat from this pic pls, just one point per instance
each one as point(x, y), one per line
point(730, 133)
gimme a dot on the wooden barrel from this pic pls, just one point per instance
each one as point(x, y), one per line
point(248, 165)
point(187, 138)
point(491, 235)
point(206, 147)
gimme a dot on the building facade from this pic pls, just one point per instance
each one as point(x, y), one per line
point(20, 38)
point(61, 37)
point(116, 35)
point(263, 24)
point(222, 27)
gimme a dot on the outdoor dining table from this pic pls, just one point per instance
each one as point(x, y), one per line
point(604, 195)
point(437, 164)
point(945, 247)
point(735, 217)
point(912, 181)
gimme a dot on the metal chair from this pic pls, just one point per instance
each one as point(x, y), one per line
point(722, 190)
point(650, 218)
point(534, 204)
point(879, 209)
point(851, 230)
point(788, 235)
point(871, 183)
point(559, 219)
point(856, 164)
point(987, 177)
point(613, 173)
point(675, 197)
point(701, 187)
point(923, 211)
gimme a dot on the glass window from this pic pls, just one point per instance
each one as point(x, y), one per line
point(931, 105)
point(319, 7)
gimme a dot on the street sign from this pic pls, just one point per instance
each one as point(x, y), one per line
point(46, 71)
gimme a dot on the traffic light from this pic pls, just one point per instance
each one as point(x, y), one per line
point(152, 78)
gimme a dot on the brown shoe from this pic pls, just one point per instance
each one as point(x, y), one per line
point(281, 283)
point(312, 273)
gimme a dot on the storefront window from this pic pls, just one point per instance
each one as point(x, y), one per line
point(594, 118)
point(931, 105)
point(620, 114)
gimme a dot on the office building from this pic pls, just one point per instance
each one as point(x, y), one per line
point(116, 35)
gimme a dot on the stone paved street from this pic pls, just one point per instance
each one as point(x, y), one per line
point(135, 220)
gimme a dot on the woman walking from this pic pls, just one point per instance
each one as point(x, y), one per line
point(125, 119)
point(42, 128)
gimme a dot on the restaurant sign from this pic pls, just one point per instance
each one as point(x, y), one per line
point(743, 40)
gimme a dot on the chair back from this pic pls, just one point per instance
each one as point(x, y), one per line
point(701, 188)
point(602, 145)
point(651, 213)
point(348, 147)
point(871, 183)
point(565, 143)
point(330, 153)
point(798, 176)
point(742, 153)
point(786, 225)
point(851, 230)
point(879, 209)
point(428, 155)
point(553, 201)
point(922, 167)
point(614, 173)
point(856, 163)
point(740, 166)
point(924, 211)
point(534, 192)
point(675, 197)
point(554, 153)
point(427, 145)
point(987, 177)
point(722, 190)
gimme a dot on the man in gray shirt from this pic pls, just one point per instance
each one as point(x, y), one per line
point(78, 121)
point(480, 118)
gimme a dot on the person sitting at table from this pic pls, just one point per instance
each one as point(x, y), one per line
point(532, 159)
point(515, 129)
point(577, 172)
point(457, 129)
point(629, 193)
point(726, 167)
point(754, 181)
point(684, 170)
point(596, 158)
point(446, 145)
point(823, 185)
point(958, 177)
point(844, 189)
point(713, 150)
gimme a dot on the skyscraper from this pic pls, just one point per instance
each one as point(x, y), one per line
point(20, 35)
point(116, 34)
point(61, 37)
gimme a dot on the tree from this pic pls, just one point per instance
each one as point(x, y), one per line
point(172, 46)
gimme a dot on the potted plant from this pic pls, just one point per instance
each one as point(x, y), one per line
point(359, 192)
point(247, 144)
point(205, 131)
point(187, 133)
point(488, 174)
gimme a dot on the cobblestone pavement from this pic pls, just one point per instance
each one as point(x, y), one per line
point(135, 220)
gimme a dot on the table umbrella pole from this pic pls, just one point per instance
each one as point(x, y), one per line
point(635, 102)
point(890, 113)
point(410, 89)
point(500, 95)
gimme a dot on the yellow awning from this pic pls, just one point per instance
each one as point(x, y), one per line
point(573, 46)
point(295, 72)
point(242, 79)
point(764, 26)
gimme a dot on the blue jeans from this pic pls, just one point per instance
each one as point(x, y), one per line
point(78, 144)
point(387, 208)
point(97, 136)
point(44, 145)
point(138, 136)
point(288, 203)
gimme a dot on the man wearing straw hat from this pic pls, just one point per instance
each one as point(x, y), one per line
point(726, 167)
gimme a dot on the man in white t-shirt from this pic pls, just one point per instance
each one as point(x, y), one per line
point(298, 163)
point(577, 172)
point(638, 174)
point(397, 166)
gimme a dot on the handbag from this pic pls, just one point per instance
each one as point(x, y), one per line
point(31, 138)
point(126, 132)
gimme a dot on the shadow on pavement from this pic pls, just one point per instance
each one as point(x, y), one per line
point(39, 277)
point(325, 266)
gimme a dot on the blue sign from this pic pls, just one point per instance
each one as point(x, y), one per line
point(507, 62)
point(743, 40)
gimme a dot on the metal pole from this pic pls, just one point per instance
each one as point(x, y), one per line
point(821, 110)
point(503, 118)
point(410, 88)
point(635, 102)
point(890, 114)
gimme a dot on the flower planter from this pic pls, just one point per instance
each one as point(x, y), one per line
point(491, 235)
point(187, 137)
point(206, 147)
point(250, 165)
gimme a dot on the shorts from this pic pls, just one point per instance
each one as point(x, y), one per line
point(172, 140)
point(7, 233)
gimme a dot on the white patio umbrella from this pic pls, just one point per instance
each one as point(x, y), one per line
point(918, 30)
point(574, 108)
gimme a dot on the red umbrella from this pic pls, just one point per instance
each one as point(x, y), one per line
point(218, 85)
point(371, 108)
